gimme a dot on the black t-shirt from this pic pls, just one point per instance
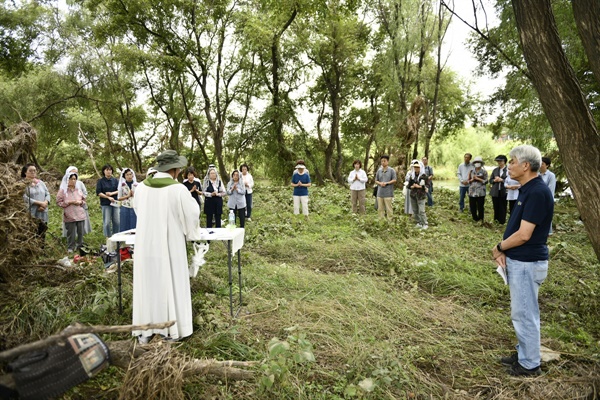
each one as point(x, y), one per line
point(189, 186)
point(535, 205)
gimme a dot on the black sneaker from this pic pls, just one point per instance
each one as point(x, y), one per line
point(510, 360)
point(518, 370)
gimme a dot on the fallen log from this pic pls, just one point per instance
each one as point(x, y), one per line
point(123, 352)
point(127, 354)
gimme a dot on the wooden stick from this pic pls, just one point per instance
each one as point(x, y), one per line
point(74, 330)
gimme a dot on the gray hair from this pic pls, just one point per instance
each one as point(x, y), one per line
point(527, 153)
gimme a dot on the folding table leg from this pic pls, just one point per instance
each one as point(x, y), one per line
point(239, 275)
point(119, 277)
point(229, 256)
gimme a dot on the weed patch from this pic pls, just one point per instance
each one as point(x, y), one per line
point(339, 305)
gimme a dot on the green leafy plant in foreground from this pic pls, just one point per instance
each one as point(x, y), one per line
point(284, 356)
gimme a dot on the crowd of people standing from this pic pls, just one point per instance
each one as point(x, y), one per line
point(166, 213)
point(504, 190)
point(117, 195)
point(117, 199)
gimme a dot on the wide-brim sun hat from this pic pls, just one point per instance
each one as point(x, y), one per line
point(415, 164)
point(478, 159)
point(168, 160)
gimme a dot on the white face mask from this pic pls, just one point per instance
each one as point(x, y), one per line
point(477, 164)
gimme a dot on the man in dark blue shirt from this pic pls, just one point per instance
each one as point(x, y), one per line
point(524, 254)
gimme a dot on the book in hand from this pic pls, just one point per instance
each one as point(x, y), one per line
point(502, 272)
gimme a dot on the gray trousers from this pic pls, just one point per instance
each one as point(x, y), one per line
point(74, 228)
point(418, 207)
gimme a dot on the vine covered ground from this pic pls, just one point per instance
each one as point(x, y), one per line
point(344, 306)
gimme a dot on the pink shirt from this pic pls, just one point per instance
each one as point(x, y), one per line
point(72, 212)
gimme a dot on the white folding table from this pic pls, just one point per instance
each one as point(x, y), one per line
point(233, 237)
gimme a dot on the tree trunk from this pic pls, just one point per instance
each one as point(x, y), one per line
point(278, 112)
point(441, 33)
point(334, 172)
point(587, 18)
point(565, 107)
point(374, 121)
point(277, 119)
point(422, 52)
point(408, 132)
point(191, 121)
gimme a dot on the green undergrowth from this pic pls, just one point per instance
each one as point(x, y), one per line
point(339, 305)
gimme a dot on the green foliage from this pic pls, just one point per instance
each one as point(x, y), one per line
point(284, 358)
point(448, 152)
point(23, 24)
point(522, 115)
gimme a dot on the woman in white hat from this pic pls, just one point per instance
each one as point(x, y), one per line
point(214, 191)
point(478, 178)
point(417, 183)
point(87, 225)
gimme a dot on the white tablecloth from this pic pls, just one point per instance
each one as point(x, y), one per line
point(235, 235)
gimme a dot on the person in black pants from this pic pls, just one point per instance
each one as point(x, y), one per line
point(193, 184)
point(214, 190)
point(478, 178)
point(498, 189)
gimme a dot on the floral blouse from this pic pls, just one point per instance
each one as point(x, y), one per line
point(126, 190)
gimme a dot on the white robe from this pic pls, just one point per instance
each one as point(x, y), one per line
point(161, 283)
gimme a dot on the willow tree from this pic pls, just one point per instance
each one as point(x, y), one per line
point(201, 38)
point(408, 39)
point(270, 34)
point(562, 98)
point(338, 43)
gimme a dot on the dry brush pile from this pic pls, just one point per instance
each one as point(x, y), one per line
point(17, 227)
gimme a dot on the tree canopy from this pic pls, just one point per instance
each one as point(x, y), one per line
point(260, 81)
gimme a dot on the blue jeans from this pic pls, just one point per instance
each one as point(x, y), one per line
point(524, 280)
point(110, 220)
point(248, 205)
point(461, 201)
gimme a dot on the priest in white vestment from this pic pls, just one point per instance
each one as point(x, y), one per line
point(166, 215)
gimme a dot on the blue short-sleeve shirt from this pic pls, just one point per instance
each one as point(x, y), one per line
point(301, 190)
point(535, 204)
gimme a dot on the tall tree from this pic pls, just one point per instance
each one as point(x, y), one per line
point(338, 44)
point(200, 37)
point(401, 23)
point(564, 103)
point(270, 30)
point(432, 111)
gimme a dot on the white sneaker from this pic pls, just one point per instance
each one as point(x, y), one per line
point(419, 226)
point(425, 226)
point(143, 339)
